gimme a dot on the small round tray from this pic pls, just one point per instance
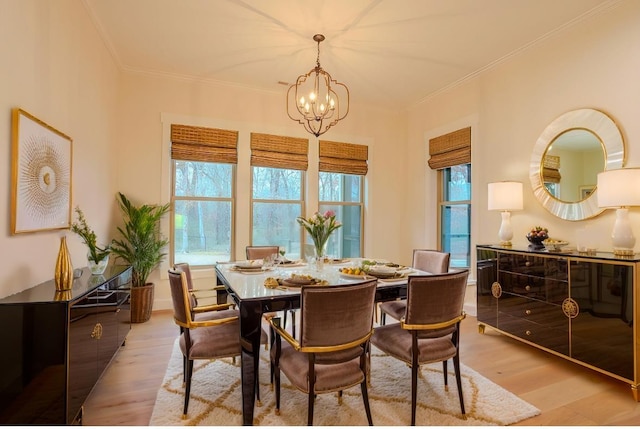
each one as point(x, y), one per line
point(555, 246)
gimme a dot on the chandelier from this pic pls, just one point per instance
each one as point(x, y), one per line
point(313, 101)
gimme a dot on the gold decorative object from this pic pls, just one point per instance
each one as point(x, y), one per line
point(570, 308)
point(496, 290)
point(62, 295)
point(64, 269)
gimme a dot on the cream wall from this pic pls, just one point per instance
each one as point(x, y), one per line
point(54, 65)
point(592, 64)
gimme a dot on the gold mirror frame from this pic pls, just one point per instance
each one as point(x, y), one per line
point(606, 130)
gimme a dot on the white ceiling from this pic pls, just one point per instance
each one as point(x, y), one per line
point(396, 52)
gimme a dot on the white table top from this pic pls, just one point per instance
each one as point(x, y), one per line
point(250, 285)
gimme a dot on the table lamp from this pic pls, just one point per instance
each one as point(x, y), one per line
point(505, 196)
point(620, 189)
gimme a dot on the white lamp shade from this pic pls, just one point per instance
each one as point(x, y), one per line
point(619, 188)
point(505, 196)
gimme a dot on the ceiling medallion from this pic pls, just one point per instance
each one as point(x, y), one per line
point(313, 101)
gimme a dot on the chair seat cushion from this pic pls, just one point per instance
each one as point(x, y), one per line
point(395, 309)
point(329, 378)
point(213, 342)
point(396, 342)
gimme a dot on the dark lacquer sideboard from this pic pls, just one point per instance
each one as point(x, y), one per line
point(580, 307)
point(55, 346)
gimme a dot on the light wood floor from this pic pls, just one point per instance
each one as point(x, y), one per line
point(566, 393)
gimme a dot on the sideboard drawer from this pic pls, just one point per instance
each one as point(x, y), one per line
point(535, 311)
point(553, 339)
point(549, 290)
point(538, 266)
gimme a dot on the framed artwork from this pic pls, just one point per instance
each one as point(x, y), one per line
point(586, 191)
point(40, 175)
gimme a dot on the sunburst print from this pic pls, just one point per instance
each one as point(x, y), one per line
point(43, 188)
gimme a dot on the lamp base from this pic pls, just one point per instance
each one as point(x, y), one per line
point(623, 252)
point(622, 235)
point(506, 231)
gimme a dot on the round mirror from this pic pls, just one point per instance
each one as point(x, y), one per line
point(566, 159)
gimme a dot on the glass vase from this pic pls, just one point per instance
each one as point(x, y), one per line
point(321, 254)
point(97, 268)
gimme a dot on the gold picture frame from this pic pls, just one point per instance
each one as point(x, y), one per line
point(586, 191)
point(40, 175)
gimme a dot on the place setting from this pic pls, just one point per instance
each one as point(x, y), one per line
point(381, 270)
point(251, 266)
point(295, 280)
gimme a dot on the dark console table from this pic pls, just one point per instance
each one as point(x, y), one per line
point(56, 345)
point(579, 307)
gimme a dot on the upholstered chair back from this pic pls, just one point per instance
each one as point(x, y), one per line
point(261, 252)
point(336, 314)
point(431, 261)
point(179, 294)
point(435, 299)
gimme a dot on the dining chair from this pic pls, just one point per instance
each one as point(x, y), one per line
point(336, 323)
point(198, 295)
point(214, 338)
point(262, 252)
point(429, 331)
point(431, 261)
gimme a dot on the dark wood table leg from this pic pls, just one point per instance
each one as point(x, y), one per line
point(250, 330)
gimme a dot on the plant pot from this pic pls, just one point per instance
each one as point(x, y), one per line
point(141, 303)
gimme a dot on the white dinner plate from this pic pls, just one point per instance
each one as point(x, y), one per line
point(248, 265)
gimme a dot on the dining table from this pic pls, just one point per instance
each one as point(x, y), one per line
point(245, 284)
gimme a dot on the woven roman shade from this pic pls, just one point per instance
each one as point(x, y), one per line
point(345, 158)
point(550, 175)
point(450, 149)
point(268, 150)
point(551, 169)
point(191, 143)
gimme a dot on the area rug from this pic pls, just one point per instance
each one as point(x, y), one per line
point(216, 398)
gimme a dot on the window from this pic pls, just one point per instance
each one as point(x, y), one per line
point(451, 156)
point(342, 193)
point(455, 213)
point(342, 168)
point(278, 164)
point(277, 200)
point(203, 203)
point(203, 164)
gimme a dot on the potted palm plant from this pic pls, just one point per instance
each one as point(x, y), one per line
point(142, 246)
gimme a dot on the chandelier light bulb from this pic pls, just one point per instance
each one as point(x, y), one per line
point(301, 102)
